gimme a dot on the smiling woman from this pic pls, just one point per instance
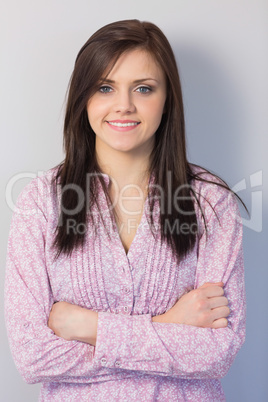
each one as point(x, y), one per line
point(120, 278)
point(130, 103)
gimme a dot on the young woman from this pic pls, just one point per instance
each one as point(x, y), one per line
point(125, 267)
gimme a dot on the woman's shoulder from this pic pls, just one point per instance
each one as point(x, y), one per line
point(41, 188)
point(210, 190)
point(206, 182)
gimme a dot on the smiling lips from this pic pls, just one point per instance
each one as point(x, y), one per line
point(123, 125)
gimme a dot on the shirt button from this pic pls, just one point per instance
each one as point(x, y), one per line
point(117, 364)
point(103, 361)
point(127, 290)
point(125, 309)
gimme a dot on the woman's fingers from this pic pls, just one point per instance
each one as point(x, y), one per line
point(221, 323)
point(211, 289)
point(214, 306)
point(220, 312)
point(215, 302)
point(205, 307)
point(212, 284)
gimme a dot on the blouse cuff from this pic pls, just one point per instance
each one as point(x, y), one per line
point(130, 343)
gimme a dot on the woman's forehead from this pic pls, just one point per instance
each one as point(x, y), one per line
point(134, 61)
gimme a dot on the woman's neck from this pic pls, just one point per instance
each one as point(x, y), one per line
point(125, 168)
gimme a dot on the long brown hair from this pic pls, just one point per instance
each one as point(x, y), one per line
point(168, 162)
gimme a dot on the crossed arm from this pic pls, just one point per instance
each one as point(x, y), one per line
point(205, 307)
point(56, 342)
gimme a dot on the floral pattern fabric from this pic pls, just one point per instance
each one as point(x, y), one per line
point(134, 359)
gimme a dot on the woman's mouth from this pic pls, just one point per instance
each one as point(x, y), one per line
point(123, 125)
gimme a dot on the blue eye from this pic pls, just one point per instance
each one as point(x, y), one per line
point(144, 90)
point(105, 89)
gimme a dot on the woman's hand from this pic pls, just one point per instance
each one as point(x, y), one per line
point(73, 322)
point(205, 307)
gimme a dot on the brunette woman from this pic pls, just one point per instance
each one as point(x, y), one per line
point(125, 267)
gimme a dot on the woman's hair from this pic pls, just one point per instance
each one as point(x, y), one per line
point(168, 162)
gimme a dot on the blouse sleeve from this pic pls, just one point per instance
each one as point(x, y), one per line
point(39, 354)
point(137, 343)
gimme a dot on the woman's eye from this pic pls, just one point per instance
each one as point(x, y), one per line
point(144, 90)
point(105, 89)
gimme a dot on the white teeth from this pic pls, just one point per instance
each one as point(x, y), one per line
point(122, 124)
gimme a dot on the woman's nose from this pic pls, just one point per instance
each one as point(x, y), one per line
point(124, 102)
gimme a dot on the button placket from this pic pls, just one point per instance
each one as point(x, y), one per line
point(126, 296)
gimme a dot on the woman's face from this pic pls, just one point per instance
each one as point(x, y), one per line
point(127, 109)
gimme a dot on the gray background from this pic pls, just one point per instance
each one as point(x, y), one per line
point(222, 53)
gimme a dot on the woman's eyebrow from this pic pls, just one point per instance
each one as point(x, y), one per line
point(135, 82)
point(144, 79)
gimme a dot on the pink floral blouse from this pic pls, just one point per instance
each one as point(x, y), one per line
point(134, 359)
